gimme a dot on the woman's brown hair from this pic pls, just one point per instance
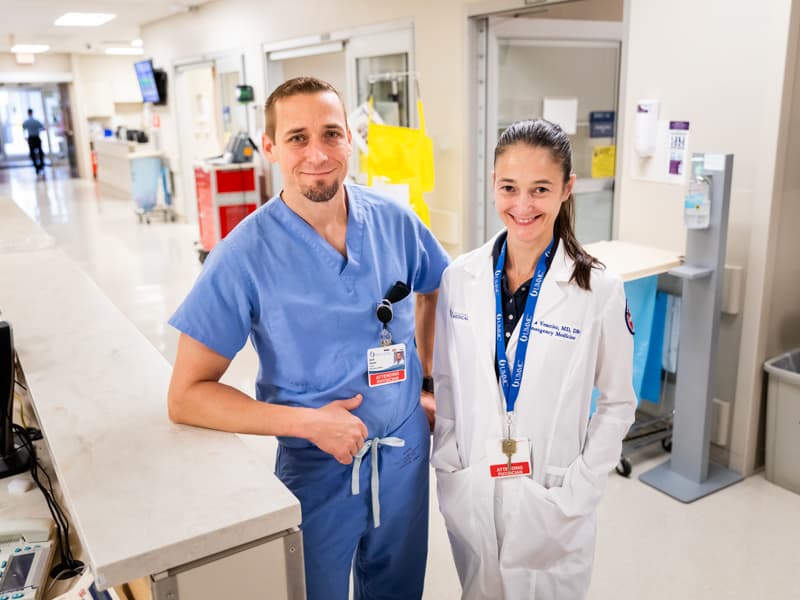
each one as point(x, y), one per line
point(539, 133)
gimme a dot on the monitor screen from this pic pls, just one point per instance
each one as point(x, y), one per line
point(19, 567)
point(147, 81)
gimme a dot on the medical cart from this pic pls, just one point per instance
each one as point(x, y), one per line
point(147, 172)
point(226, 194)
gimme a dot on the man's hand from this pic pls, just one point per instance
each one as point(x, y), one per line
point(428, 402)
point(338, 432)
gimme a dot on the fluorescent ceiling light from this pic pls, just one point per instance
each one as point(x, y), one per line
point(125, 50)
point(83, 19)
point(29, 48)
point(327, 48)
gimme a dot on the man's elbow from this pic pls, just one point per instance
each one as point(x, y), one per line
point(176, 406)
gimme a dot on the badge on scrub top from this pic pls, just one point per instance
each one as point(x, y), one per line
point(386, 364)
point(520, 458)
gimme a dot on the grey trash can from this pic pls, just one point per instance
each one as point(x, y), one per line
point(783, 420)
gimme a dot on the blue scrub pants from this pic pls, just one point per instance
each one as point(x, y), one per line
point(389, 561)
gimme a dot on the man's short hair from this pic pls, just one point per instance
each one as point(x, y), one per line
point(294, 87)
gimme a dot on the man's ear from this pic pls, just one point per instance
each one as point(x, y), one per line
point(269, 148)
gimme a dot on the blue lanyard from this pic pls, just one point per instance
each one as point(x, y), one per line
point(511, 386)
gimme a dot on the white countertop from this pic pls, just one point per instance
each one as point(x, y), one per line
point(633, 261)
point(18, 232)
point(144, 494)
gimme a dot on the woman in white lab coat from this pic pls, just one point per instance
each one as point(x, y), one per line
point(532, 292)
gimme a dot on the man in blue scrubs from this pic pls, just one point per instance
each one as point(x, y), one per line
point(303, 277)
point(33, 127)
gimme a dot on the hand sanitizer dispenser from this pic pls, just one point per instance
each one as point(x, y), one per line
point(697, 203)
point(646, 127)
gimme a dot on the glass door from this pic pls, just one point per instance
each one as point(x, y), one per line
point(567, 72)
point(51, 108)
point(14, 105)
point(381, 65)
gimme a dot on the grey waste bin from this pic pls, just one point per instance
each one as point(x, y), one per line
point(783, 420)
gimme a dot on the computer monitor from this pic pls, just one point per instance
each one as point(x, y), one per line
point(14, 456)
point(147, 81)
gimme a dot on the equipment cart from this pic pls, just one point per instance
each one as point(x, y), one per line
point(147, 171)
point(226, 194)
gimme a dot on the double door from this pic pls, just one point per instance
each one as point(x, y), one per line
point(50, 105)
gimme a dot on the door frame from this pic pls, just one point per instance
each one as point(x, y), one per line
point(483, 48)
point(217, 61)
point(355, 43)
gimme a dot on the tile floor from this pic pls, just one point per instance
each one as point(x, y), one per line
point(740, 543)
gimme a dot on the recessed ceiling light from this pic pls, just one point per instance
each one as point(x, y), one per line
point(83, 19)
point(29, 48)
point(137, 43)
point(125, 50)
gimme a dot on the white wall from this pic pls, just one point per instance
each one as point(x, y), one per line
point(720, 65)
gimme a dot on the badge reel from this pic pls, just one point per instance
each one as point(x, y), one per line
point(386, 364)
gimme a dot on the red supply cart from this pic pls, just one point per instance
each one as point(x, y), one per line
point(226, 194)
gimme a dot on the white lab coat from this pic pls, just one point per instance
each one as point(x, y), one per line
point(529, 537)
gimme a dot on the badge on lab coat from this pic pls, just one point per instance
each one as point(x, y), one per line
point(498, 462)
point(386, 364)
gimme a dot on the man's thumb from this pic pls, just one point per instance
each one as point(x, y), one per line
point(351, 403)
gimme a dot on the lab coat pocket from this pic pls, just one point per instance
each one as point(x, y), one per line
point(554, 477)
point(538, 534)
point(457, 505)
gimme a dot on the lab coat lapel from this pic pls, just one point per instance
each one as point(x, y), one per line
point(553, 287)
point(479, 297)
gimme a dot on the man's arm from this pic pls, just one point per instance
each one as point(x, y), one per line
point(196, 397)
point(425, 322)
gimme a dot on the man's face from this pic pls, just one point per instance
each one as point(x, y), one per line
point(312, 144)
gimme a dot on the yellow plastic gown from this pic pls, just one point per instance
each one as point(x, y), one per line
point(402, 155)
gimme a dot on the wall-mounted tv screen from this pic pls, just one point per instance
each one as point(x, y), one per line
point(147, 81)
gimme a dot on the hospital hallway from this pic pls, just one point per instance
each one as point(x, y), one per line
point(739, 543)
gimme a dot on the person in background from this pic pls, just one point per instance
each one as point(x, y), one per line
point(526, 327)
point(303, 277)
point(33, 127)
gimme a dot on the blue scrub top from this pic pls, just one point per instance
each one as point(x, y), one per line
point(32, 127)
point(309, 312)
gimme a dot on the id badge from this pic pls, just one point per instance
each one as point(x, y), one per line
point(386, 364)
point(498, 462)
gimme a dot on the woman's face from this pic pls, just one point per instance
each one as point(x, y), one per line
point(529, 189)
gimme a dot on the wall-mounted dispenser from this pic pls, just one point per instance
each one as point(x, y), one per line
point(646, 127)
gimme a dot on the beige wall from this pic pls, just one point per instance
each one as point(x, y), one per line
point(732, 94)
point(48, 67)
point(782, 283)
point(784, 317)
point(99, 82)
point(329, 67)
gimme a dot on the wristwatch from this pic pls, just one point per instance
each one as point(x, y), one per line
point(427, 384)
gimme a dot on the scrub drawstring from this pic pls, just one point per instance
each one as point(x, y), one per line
point(374, 443)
